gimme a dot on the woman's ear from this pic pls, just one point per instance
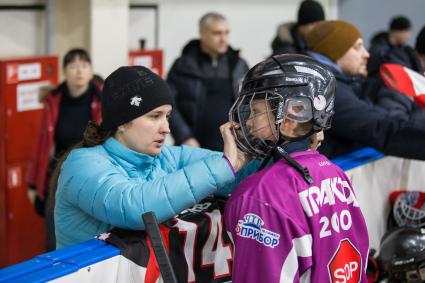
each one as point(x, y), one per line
point(121, 129)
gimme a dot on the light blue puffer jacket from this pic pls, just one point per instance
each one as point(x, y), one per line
point(110, 185)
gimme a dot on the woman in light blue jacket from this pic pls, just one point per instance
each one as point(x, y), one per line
point(122, 169)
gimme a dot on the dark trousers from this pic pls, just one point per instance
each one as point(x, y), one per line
point(44, 209)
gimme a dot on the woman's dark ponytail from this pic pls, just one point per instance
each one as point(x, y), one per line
point(93, 135)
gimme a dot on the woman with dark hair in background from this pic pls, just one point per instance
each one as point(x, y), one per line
point(67, 110)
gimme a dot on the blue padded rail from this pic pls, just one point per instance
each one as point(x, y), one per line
point(357, 158)
point(51, 272)
point(20, 269)
point(58, 263)
point(73, 250)
point(93, 256)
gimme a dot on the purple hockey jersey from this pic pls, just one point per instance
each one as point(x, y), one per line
point(286, 230)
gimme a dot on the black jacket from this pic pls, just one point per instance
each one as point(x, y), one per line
point(186, 80)
point(358, 123)
point(382, 52)
point(397, 103)
point(288, 40)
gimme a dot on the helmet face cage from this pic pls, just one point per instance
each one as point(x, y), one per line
point(260, 114)
point(410, 274)
point(253, 137)
point(405, 214)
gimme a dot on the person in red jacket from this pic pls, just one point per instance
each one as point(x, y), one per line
point(67, 110)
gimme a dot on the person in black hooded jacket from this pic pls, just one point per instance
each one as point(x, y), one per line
point(290, 35)
point(204, 82)
point(357, 122)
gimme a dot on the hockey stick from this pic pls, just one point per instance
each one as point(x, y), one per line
point(161, 255)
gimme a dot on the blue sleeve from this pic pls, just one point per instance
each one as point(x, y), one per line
point(184, 155)
point(187, 155)
point(100, 188)
point(249, 169)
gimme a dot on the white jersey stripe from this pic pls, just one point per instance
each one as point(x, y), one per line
point(306, 277)
point(418, 81)
point(301, 247)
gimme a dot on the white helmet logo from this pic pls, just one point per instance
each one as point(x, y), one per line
point(135, 100)
point(319, 102)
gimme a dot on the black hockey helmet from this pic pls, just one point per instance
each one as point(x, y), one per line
point(294, 87)
point(402, 255)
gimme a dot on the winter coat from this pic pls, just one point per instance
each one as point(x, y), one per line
point(110, 185)
point(382, 52)
point(288, 40)
point(38, 172)
point(396, 103)
point(358, 123)
point(186, 82)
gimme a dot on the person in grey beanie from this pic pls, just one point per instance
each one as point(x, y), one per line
point(122, 168)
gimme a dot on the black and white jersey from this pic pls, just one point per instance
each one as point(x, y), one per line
point(199, 247)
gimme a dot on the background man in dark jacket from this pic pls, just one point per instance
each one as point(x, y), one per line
point(204, 81)
point(392, 47)
point(357, 122)
point(290, 36)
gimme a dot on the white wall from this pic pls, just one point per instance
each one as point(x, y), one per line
point(109, 35)
point(22, 33)
point(373, 16)
point(142, 25)
point(253, 23)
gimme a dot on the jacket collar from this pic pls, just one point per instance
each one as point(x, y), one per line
point(115, 148)
point(325, 60)
point(339, 75)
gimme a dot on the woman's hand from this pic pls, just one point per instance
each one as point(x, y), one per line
point(237, 158)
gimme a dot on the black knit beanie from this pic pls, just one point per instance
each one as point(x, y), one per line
point(309, 12)
point(400, 23)
point(130, 92)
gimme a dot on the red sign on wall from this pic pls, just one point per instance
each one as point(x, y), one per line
point(152, 59)
point(16, 72)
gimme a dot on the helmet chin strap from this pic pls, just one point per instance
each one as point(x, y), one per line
point(283, 153)
point(303, 170)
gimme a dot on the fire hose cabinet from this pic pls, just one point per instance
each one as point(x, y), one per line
point(152, 59)
point(21, 229)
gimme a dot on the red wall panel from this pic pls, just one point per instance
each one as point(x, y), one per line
point(21, 230)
